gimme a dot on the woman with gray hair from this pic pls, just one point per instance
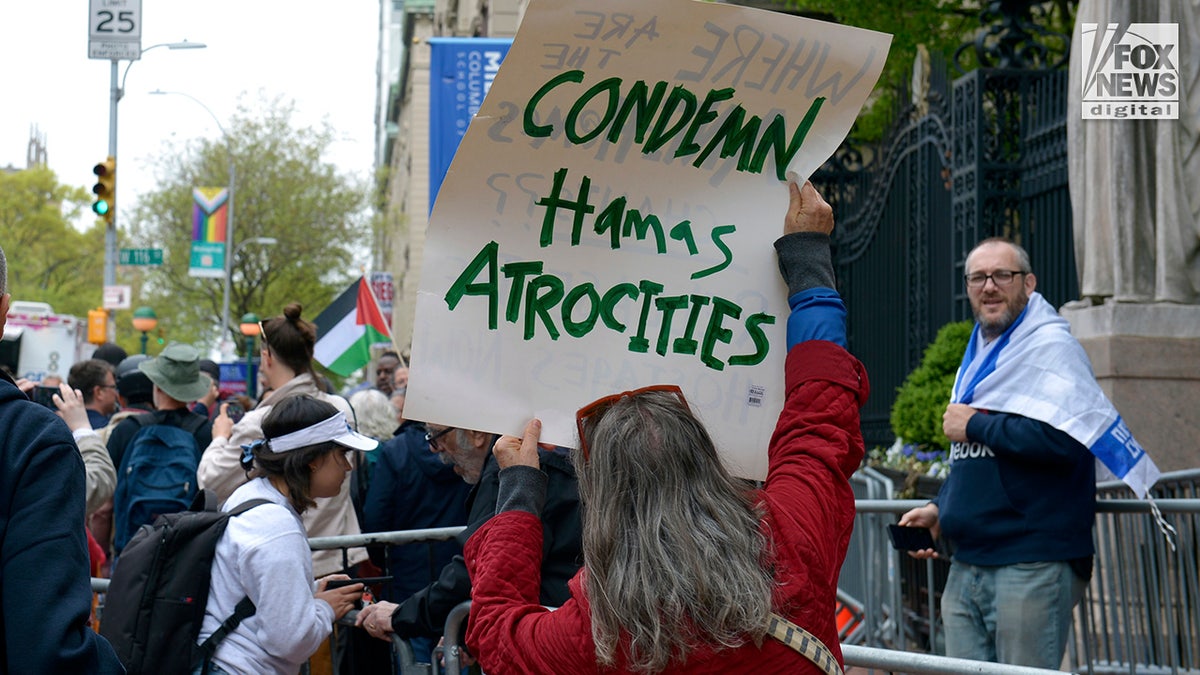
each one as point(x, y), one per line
point(375, 414)
point(686, 569)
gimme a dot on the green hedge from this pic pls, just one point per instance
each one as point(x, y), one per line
point(921, 400)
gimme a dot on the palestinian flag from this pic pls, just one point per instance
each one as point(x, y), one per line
point(347, 329)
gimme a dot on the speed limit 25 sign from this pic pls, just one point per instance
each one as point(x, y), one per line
point(115, 29)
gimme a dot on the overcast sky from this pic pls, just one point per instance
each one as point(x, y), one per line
point(321, 54)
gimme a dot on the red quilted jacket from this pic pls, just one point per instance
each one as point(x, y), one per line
point(809, 515)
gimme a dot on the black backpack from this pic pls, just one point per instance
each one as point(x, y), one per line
point(155, 603)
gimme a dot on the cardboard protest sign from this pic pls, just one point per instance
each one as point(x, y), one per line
point(608, 221)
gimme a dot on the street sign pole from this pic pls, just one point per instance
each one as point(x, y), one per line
point(110, 232)
point(114, 33)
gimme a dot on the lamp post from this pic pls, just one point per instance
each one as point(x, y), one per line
point(229, 252)
point(116, 91)
point(144, 320)
point(249, 328)
point(264, 241)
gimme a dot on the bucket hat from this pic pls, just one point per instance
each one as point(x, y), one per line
point(177, 372)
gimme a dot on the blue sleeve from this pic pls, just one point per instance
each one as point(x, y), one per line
point(817, 314)
point(379, 507)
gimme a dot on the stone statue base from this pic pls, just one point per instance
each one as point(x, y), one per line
point(1147, 360)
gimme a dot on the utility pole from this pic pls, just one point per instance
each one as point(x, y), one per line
point(110, 231)
point(125, 44)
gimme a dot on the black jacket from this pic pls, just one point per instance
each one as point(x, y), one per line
point(413, 489)
point(424, 614)
point(44, 588)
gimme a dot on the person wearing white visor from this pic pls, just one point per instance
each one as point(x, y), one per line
point(263, 554)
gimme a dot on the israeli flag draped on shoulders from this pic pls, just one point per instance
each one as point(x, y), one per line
point(1037, 369)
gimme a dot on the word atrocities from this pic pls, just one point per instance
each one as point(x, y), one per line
point(1130, 73)
point(660, 116)
point(688, 324)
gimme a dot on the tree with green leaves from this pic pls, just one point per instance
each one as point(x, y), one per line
point(941, 26)
point(921, 401)
point(49, 260)
point(285, 190)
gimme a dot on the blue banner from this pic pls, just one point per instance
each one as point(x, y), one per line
point(233, 378)
point(462, 70)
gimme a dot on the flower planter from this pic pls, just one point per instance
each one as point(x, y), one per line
point(911, 485)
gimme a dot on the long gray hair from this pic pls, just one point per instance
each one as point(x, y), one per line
point(672, 544)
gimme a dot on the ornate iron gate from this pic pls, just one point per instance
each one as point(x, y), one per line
point(985, 155)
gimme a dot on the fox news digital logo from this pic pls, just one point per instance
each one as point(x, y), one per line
point(1130, 73)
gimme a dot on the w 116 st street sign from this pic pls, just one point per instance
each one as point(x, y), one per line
point(141, 256)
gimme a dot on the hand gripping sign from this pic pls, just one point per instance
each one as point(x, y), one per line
point(608, 220)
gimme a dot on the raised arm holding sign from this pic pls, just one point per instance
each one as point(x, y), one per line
point(601, 226)
point(685, 570)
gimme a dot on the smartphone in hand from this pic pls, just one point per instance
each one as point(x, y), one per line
point(235, 411)
point(910, 538)
point(45, 396)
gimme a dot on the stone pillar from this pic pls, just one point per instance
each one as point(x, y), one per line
point(1147, 360)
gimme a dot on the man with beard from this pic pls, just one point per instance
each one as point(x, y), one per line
point(1019, 504)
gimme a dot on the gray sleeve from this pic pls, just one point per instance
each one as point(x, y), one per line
point(99, 471)
point(805, 261)
point(522, 488)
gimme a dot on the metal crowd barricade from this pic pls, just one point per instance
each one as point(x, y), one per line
point(404, 652)
point(870, 573)
point(895, 661)
point(451, 650)
point(904, 621)
point(405, 656)
point(1139, 616)
point(855, 657)
point(349, 541)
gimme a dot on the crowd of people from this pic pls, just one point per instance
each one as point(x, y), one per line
point(635, 552)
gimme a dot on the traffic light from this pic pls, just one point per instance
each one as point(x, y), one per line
point(105, 188)
point(97, 326)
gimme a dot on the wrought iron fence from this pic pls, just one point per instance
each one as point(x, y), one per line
point(982, 156)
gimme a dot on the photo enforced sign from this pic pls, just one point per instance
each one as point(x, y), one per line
point(1130, 72)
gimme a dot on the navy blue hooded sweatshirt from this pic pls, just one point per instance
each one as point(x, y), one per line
point(44, 586)
point(1019, 491)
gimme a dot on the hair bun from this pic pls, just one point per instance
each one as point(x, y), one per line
point(292, 311)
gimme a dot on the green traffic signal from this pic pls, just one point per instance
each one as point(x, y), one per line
point(105, 188)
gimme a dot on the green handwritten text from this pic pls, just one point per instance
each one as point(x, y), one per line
point(660, 116)
point(667, 323)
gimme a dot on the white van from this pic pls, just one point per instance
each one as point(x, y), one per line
point(37, 342)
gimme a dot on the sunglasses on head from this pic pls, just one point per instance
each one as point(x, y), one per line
point(589, 414)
